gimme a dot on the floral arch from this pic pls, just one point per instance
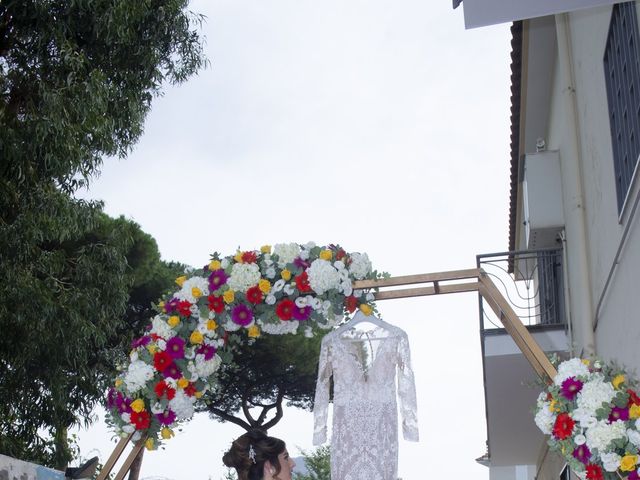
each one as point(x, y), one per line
point(233, 299)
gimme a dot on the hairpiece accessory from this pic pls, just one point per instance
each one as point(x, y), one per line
point(252, 453)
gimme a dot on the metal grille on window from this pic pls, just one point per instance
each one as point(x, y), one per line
point(622, 77)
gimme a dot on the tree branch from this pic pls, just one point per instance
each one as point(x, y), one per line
point(230, 418)
point(279, 413)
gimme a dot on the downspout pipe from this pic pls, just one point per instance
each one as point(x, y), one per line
point(574, 209)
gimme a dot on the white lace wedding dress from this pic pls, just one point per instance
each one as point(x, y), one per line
point(364, 445)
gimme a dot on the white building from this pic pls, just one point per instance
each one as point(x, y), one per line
point(575, 188)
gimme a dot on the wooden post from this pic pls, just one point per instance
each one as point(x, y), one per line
point(113, 458)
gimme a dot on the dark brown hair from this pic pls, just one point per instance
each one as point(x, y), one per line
point(265, 448)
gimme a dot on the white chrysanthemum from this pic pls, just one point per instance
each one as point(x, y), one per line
point(594, 393)
point(182, 405)
point(603, 433)
point(360, 265)
point(161, 328)
point(585, 418)
point(286, 252)
point(138, 374)
point(545, 418)
point(610, 461)
point(634, 437)
point(244, 276)
point(206, 368)
point(195, 285)
point(280, 328)
point(322, 276)
point(570, 368)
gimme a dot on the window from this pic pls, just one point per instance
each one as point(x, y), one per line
point(622, 77)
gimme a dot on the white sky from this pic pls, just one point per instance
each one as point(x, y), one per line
point(378, 125)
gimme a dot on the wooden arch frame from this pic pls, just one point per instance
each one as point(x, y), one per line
point(456, 281)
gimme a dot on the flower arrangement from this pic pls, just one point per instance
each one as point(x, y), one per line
point(233, 299)
point(592, 413)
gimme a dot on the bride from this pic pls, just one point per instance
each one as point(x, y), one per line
point(256, 456)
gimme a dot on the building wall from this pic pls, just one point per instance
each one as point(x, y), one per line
point(13, 469)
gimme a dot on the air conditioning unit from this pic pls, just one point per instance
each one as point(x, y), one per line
point(542, 199)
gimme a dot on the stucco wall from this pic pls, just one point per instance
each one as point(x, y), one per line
point(13, 469)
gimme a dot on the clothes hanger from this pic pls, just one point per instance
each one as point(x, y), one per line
point(360, 317)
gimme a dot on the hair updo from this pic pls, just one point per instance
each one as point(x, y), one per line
point(265, 448)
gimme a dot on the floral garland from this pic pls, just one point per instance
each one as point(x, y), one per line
point(592, 413)
point(233, 299)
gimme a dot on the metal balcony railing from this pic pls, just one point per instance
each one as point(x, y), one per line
point(531, 280)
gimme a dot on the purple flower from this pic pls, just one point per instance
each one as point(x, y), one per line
point(633, 475)
point(619, 413)
point(217, 279)
point(582, 453)
point(123, 404)
point(298, 262)
point(172, 371)
point(301, 313)
point(140, 342)
point(570, 388)
point(207, 350)
point(172, 305)
point(167, 417)
point(113, 396)
point(242, 315)
point(175, 347)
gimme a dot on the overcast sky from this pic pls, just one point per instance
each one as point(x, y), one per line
point(378, 125)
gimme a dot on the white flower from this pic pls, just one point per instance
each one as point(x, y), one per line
point(301, 302)
point(346, 287)
point(289, 289)
point(206, 368)
point(191, 286)
point(162, 345)
point(339, 264)
point(182, 405)
point(133, 356)
point(157, 408)
point(304, 254)
point(370, 297)
point(322, 276)
point(584, 417)
point(570, 368)
point(634, 437)
point(128, 429)
point(224, 263)
point(270, 299)
point(270, 273)
point(161, 328)
point(315, 303)
point(244, 276)
point(286, 252)
point(279, 328)
point(136, 436)
point(126, 417)
point(138, 374)
point(594, 393)
point(603, 433)
point(360, 265)
point(279, 285)
point(545, 418)
point(308, 332)
point(309, 245)
point(610, 461)
point(580, 439)
point(231, 326)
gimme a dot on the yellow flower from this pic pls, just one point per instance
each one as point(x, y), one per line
point(617, 380)
point(180, 280)
point(118, 382)
point(161, 305)
point(229, 296)
point(196, 337)
point(253, 331)
point(628, 463)
point(149, 444)
point(173, 321)
point(183, 382)
point(264, 285)
point(198, 394)
point(238, 257)
point(586, 361)
point(211, 325)
point(634, 411)
point(286, 275)
point(196, 292)
point(326, 254)
point(166, 433)
point(137, 405)
point(214, 265)
point(265, 248)
point(152, 348)
point(366, 309)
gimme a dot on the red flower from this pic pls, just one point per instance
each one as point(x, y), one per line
point(340, 254)
point(249, 257)
point(563, 426)
point(351, 303)
point(284, 309)
point(216, 303)
point(161, 360)
point(184, 308)
point(302, 282)
point(594, 472)
point(190, 390)
point(162, 389)
point(254, 295)
point(141, 420)
point(633, 398)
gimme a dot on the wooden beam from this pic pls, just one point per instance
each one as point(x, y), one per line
point(421, 278)
point(113, 458)
point(126, 466)
point(424, 291)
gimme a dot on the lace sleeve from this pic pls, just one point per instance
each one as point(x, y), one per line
point(321, 402)
point(407, 392)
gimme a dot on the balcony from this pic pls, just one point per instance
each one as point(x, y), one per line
point(533, 283)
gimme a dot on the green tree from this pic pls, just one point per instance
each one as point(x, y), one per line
point(275, 370)
point(318, 463)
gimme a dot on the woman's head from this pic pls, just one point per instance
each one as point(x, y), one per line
point(256, 456)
